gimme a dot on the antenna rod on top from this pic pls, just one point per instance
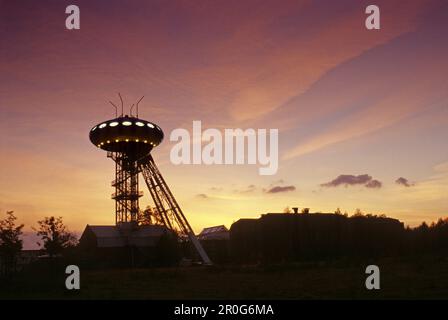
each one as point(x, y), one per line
point(121, 99)
point(138, 103)
point(132, 107)
point(116, 108)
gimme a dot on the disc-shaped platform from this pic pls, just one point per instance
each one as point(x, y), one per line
point(126, 134)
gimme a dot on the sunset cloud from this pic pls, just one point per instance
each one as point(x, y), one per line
point(281, 189)
point(249, 189)
point(374, 184)
point(352, 180)
point(404, 182)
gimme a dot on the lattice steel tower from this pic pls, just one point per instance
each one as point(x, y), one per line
point(129, 140)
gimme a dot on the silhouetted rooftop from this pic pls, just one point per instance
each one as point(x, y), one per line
point(111, 237)
point(214, 233)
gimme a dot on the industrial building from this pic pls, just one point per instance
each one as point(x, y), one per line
point(281, 237)
point(214, 233)
point(124, 246)
point(215, 241)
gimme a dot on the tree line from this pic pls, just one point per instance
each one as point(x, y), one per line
point(55, 238)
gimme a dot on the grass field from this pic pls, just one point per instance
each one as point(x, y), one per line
point(422, 278)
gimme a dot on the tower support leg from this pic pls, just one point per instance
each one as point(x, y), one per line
point(167, 206)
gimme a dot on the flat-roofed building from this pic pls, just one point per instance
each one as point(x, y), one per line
point(280, 237)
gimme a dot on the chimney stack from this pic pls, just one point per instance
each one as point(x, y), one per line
point(295, 209)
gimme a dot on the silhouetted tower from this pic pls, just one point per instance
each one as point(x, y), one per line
point(129, 140)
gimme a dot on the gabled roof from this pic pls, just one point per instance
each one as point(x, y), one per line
point(111, 237)
point(106, 236)
point(105, 231)
point(208, 230)
point(215, 233)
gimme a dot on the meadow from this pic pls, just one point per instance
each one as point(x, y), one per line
point(404, 278)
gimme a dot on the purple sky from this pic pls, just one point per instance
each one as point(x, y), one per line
point(347, 101)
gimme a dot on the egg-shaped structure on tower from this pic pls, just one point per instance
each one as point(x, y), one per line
point(132, 136)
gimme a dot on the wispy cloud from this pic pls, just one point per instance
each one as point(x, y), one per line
point(249, 189)
point(337, 111)
point(352, 180)
point(280, 189)
point(404, 182)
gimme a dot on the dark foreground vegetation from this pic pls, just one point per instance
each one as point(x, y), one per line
point(415, 277)
point(279, 256)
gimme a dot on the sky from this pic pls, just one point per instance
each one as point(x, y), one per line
point(362, 114)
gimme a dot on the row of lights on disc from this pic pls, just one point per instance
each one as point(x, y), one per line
point(125, 123)
point(126, 140)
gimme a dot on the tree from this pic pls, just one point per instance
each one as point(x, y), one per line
point(10, 242)
point(358, 213)
point(150, 216)
point(145, 217)
point(55, 236)
point(287, 210)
